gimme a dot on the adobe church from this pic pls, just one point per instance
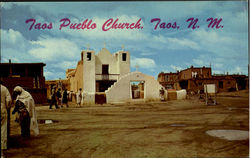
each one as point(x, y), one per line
point(106, 78)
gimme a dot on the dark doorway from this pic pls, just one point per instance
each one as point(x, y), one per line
point(184, 84)
point(220, 84)
point(100, 98)
point(105, 69)
point(241, 83)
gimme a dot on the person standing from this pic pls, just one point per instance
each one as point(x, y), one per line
point(26, 98)
point(65, 98)
point(53, 98)
point(23, 118)
point(5, 105)
point(79, 97)
point(59, 97)
point(162, 92)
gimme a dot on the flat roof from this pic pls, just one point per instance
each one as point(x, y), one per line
point(43, 64)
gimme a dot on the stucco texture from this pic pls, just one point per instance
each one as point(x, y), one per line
point(121, 90)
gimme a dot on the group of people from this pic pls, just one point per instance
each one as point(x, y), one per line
point(24, 110)
point(61, 98)
point(58, 98)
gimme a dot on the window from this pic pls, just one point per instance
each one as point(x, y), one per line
point(88, 56)
point(105, 69)
point(124, 56)
point(5, 70)
point(166, 78)
point(220, 84)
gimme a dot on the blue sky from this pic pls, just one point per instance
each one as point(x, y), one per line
point(155, 51)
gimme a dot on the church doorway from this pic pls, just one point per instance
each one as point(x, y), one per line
point(137, 89)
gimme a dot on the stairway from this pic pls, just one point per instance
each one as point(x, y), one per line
point(107, 91)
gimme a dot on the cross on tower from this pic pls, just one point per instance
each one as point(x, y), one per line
point(123, 47)
point(87, 45)
point(136, 66)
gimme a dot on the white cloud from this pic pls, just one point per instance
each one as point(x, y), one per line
point(15, 46)
point(12, 39)
point(218, 43)
point(177, 43)
point(48, 74)
point(66, 65)
point(54, 49)
point(234, 22)
point(14, 36)
point(211, 37)
point(148, 53)
point(145, 63)
point(52, 75)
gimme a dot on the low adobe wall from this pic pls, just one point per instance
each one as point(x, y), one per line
point(121, 90)
point(177, 95)
point(88, 98)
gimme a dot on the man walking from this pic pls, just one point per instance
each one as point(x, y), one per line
point(58, 97)
point(53, 98)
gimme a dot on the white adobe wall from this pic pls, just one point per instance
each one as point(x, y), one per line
point(89, 84)
point(123, 67)
point(105, 57)
point(88, 98)
point(181, 94)
point(121, 90)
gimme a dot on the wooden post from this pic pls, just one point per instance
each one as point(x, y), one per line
point(10, 68)
point(206, 96)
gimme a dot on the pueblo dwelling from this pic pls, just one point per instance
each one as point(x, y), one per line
point(106, 78)
point(193, 79)
point(27, 75)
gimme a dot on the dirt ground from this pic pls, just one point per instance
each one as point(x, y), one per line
point(142, 130)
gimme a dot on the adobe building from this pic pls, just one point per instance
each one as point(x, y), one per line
point(194, 78)
point(231, 82)
point(106, 78)
point(169, 80)
point(27, 75)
